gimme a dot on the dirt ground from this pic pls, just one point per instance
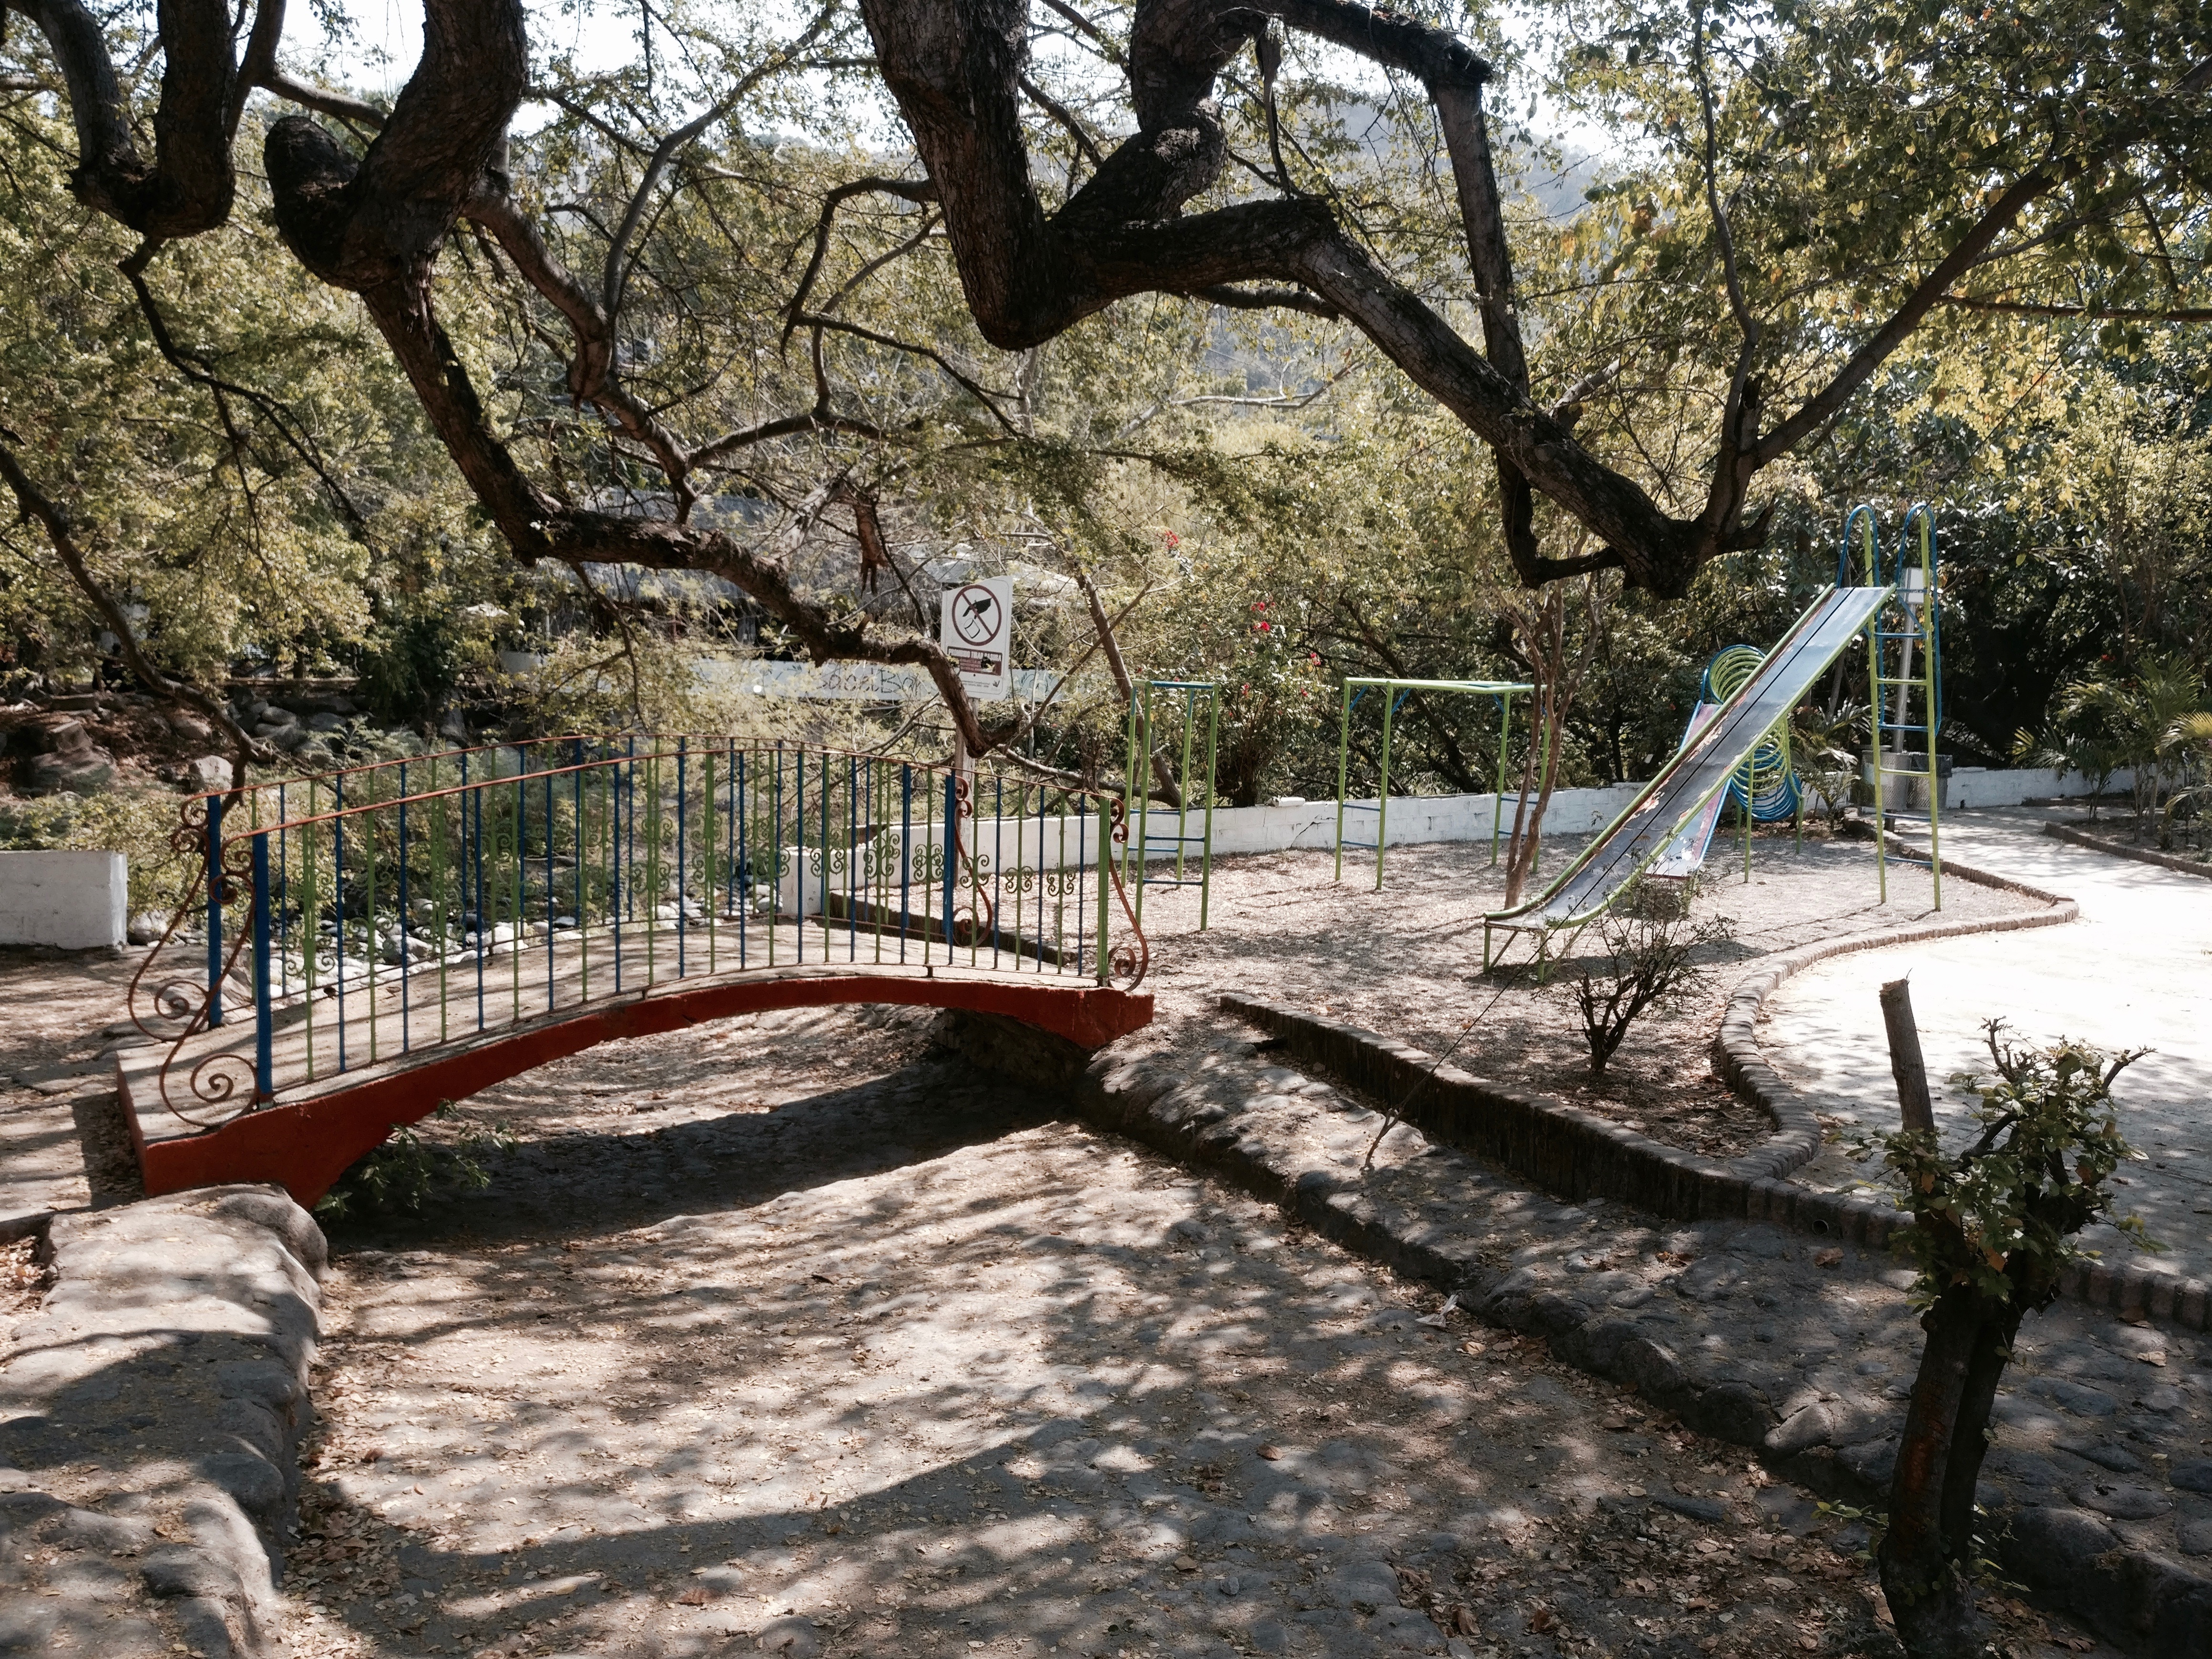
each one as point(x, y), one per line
point(1408, 962)
point(732, 1356)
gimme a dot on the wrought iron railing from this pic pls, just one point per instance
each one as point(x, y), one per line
point(359, 916)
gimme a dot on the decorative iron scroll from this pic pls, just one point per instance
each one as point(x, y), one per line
point(216, 1080)
point(1133, 960)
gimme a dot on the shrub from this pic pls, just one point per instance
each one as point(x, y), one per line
point(1651, 942)
point(407, 1169)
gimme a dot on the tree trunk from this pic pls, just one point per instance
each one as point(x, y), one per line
point(1929, 1597)
point(1970, 1435)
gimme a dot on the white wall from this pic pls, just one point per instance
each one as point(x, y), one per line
point(1414, 820)
point(76, 900)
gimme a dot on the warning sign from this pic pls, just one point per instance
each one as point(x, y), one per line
point(979, 631)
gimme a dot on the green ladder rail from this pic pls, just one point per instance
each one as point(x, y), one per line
point(1905, 657)
point(1394, 693)
point(1183, 698)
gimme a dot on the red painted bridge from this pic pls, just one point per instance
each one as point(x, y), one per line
point(368, 945)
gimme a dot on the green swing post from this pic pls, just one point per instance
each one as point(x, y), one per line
point(1343, 756)
point(1143, 709)
point(1502, 692)
point(1383, 787)
point(1497, 794)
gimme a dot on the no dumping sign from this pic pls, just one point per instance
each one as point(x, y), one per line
point(978, 631)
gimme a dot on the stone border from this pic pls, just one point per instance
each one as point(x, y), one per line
point(1577, 1154)
point(2140, 854)
point(202, 1312)
point(1216, 1119)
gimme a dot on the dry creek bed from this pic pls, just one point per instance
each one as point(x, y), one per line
point(792, 1334)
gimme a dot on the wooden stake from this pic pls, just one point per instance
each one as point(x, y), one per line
point(1905, 1063)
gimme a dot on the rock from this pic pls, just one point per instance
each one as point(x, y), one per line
point(1363, 1585)
point(147, 927)
point(58, 734)
point(326, 722)
point(2076, 1397)
point(2192, 1474)
point(208, 775)
point(2122, 1502)
point(2195, 1537)
point(1802, 1430)
point(191, 727)
point(2104, 1457)
point(1711, 1510)
point(86, 772)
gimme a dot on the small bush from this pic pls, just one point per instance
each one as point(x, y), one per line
point(408, 1171)
point(1651, 941)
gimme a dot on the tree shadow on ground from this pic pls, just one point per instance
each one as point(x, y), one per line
point(917, 1363)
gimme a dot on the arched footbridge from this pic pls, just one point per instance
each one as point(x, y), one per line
point(359, 946)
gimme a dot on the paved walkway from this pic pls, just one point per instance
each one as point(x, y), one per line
point(2135, 971)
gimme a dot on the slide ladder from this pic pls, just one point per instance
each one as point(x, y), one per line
point(1700, 771)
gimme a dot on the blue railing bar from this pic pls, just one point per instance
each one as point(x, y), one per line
point(264, 1015)
point(406, 958)
point(683, 871)
point(214, 910)
point(337, 896)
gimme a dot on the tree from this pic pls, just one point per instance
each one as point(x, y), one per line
point(1996, 1226)
point(1752, 106)
point(1778, 218)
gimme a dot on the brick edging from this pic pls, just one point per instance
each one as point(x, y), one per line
point(1577, 1154)
point(2140, 854)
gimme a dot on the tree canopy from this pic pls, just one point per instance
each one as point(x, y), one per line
point(1280, 279)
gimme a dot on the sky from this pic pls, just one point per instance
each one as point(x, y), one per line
point(388, 38)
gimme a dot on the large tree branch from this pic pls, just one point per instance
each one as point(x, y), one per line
point(2094, 314)
point(189, 186)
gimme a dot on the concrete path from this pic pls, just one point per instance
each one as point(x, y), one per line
point(2135, 971)
point(62, 1144)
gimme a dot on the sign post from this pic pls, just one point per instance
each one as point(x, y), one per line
point(978, 631)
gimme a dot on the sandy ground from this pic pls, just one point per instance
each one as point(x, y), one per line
point(63, 1143)
point(910, 1365)
point(2133, 973)
point(1408, 962)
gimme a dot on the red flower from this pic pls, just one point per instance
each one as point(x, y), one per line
point(1174, 540)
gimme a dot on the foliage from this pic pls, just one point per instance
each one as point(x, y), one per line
point(2002, 1214)
point(139, 826)
point(1651, 940)
point(2143, 724)
point(408, 1169)
point(1824, 749)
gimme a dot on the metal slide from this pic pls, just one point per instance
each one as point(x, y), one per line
point(1701, 769)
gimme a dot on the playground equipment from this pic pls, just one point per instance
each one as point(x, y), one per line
point(1764, 788)
point(1395, 692)
point(382, 939)
point(1145, 723)
point(1699, 771)
point(1894, 608)
point(1911, 620)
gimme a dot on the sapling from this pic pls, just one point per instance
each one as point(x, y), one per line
point(1651, 944)
point(1995, 1228)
